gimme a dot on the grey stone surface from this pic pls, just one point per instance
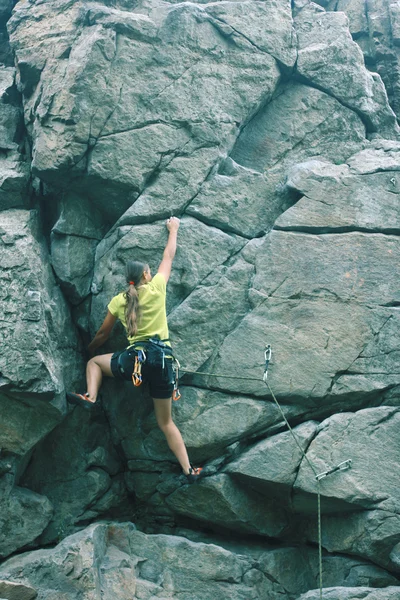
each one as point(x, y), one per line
point(373, 534)
point(122, 160)
point(123, 562)
point(16, 591)
point(271, 466)
point(14, 170)
point(220, 500)
point(40, 351)
point(247, 196)
point(363, 593)
point(202, 249)
point(329, 59)
point(23, 517)
point(82, 480)
point(361, 485)
point(336, 199)
point(260, 125)
point(375, 27)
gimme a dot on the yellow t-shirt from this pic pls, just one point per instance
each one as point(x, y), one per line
point(153, 315)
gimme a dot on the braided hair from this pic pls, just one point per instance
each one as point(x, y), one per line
point(134, 272)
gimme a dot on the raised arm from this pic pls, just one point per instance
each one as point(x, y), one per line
point(103, 333)
point(170, 249)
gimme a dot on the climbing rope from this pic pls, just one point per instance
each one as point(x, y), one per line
point(318, 476)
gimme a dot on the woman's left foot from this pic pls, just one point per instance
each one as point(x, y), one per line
point(80, 400)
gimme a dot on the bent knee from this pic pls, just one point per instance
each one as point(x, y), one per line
point(164, 425)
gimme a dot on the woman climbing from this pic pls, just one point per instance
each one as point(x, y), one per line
point(142, 311)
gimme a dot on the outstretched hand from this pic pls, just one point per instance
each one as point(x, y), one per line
point(173, 224)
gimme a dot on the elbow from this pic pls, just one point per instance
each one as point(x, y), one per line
point(103, 335)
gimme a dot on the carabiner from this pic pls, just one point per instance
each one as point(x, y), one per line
point(267, 358)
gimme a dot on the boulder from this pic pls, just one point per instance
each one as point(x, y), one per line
point(271, 465)
point(221, 501)
point(23, 517)
point(373, 534)
point(246, 195)
point(40, 352)
point(329, 59)
point(362, 593)
point(80, 133)
point(336, 199)
point(122, 562)
point(373, 429)
point(16, 591)
point(79, 470)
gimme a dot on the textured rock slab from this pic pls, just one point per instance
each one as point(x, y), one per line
point(16, 591)
point(246, 196)
point(221, 501)
point(330, 59)
point(212, 310)
point(69, 571)
point(280, 564)
point(300, 121)
point(371, 534)
point(375, 27)
point(39, 355)
point(14, 171)
point(78, 469)
point(336, 199)
point(361, 593)
point(382, 155)
point(210, 423)
point(353, 267)
point(23, 517)
point(140, 115)
point(124, 562)
point(73, 241)
point(368, 437)
point(14, 176)
point(317, 346)
point(266, 25)
point(271, 465)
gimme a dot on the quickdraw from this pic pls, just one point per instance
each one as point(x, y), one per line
point(176, 393)
point(267, 358)
point(137, 369)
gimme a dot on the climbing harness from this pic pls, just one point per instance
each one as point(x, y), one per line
point(155, 354)
point(318, 476)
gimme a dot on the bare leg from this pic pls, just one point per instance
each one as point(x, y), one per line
point(95, 369)
point(162, 409)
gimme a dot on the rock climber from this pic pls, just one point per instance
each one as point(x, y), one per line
point(142, 311)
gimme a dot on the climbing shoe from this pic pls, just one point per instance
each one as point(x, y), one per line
point(195, 474)
point(80, 400)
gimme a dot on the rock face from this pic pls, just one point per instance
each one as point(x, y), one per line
point(117, 559)
point(270, 128)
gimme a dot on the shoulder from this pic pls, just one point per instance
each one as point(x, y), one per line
point(117, 303)
point(158, 283)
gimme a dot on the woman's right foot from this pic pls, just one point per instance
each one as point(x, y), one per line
point(195, 474)
point(80, 400)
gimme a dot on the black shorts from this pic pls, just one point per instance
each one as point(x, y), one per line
point(160, 379)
